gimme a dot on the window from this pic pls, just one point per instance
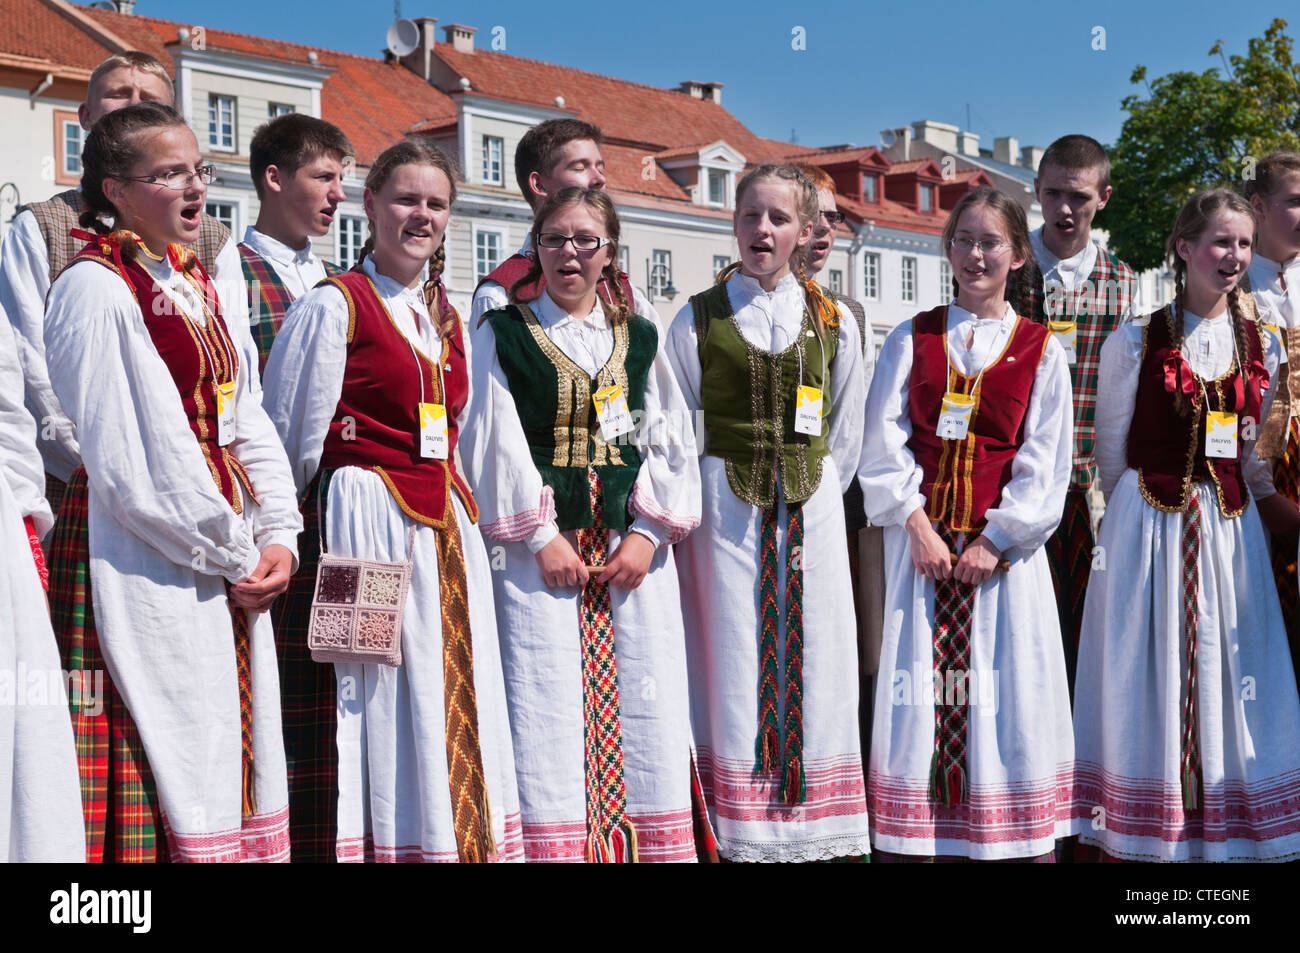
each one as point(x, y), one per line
point(927, 201)
point(221, 122)
point(624, 258)
point(492, 150)
point(909, 279)
point(720, 262)
point(868, 187)
point(945, 281)
point(661, 273)
point(278, 109)
point(487, 253)
point(352, 235)
point(871, 276)
point(836, 281)
point(717, 187)
point(224, 212)
point(67, 147)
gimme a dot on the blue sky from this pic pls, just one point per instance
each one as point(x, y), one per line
point(1027, 70)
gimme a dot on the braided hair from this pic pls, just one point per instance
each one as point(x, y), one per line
point(112, 149)
point(1192, 221)
point(1022, 281)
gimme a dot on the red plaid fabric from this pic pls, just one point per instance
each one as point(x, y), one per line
point(118, 795)
point(1191, 754)
point(1069, 557)
point(1097, 308)
point(953, 605)
point(54, 490)
point(268, 298)
point(610, 835)
point(307, 702)
point(1286, 477)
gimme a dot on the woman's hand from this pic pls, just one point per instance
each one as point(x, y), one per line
point(977, 562)
point(630, 562)
point(560, 565)
point(268, 580)
point(930, 555)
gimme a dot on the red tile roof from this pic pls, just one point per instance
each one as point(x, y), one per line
point(889, 212)
point(44, 34)
point(624, 167)
point(920, 166)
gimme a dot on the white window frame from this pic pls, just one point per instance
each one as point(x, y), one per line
point(925, 199)
point(720, 176)
point(232, 204)
point(500, 236)
point(656, 286)
point(216, 140)
point(275, 110)
point(77, 139)
point(907, 280)
point(871, 276)
point(720, 262)
point(875, 187)
point(624, 259)
point(339, 232)
point(945, 281)
point(493, 176)
point(835, 280)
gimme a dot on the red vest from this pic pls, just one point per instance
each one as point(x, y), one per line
point(376, 423)
point(1168, 450)
point(198, 358)
point(517, 266)
point(964, 478)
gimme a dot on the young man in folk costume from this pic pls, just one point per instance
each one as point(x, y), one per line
point(296, 163)
point(1083, 295)
point(866, 542)
point(1274, 277)
point(550, 156)
point(39, 245)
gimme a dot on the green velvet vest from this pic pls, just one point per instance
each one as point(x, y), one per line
point(553, 398)
point(749, 403)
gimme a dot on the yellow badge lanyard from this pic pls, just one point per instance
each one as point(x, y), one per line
point(1216, 420)
point(438, 418)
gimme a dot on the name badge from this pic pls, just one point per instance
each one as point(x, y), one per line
point(611, 411)
point(1221, 434)
point(225, 413)
point(808, 411)
point(1066, 334)
point(954, 416)
point(433, 432)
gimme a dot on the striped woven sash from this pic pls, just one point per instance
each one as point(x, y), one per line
point(1191, 754)
point(953, 604)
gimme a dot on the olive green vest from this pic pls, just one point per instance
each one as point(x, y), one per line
point(749, 402)
point(553, 398)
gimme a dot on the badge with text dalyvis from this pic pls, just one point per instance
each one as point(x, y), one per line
point(954, 416)
point(433, 432)
point(1221, 434)
point(226, 413)
point(808, 411)
point(612, 412)
point(1066, 334)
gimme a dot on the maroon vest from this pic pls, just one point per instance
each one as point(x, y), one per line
point(964, 478)
point(198, 358)
point(517, 266)
point(1168, 450)
point(376, 424)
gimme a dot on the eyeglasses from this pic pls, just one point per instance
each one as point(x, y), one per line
point(832, 218)
point(988, 246)
point(580, 242)
point(177, 181)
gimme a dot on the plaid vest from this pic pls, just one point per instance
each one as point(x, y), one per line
point(268, 299)
point(58, 216)
point(1097, 308)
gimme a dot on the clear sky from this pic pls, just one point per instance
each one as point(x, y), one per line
point(1027, 70)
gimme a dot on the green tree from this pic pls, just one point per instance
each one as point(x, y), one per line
point(1195, 131)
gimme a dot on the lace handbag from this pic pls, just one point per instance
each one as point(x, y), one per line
point(356, 611)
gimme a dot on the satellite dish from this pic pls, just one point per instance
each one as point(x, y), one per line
point(888, 137)
point(104, 5)
point(403, 37)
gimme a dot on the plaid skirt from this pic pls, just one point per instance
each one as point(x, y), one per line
point(1069, 557)
point(308, 709)
point(118, 795)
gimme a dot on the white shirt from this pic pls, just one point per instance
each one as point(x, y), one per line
point(1068, 273)
point(1209, 347)
point(24, 284)
point(299, 269)
point(1277, 305)
point(20, 462)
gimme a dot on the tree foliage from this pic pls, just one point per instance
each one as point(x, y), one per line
point(1194, 131)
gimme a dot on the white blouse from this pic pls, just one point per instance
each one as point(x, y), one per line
point(1068, 273)
point(1209, 347)
point(1032, 500)
point(20, 462)
point(1278, 304)
point(298, 268)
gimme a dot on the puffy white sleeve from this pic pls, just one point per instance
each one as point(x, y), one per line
point(303, 378)
point(514, 504)
point(847, 399)
point(488, 297)
point(682, 351)
point(24, 283)
point(1117, 383)
point(20, 462)
point(1034, 498)
point(1259, 473)
point(889, 474)
point(140, 455)
point(665, 500)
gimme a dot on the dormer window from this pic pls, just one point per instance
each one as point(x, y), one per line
point(868, 187)
point(718, 187)
point(927, 199)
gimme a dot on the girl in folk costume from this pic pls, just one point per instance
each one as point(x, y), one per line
point(1186, 715)
point(966, 462)
point(582, 451)
point(766, 593)
point(368, 386)
point(40, 792)
point(187, 525)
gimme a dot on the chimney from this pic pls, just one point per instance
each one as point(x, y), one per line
point(968, 143)
point(460, 37)
point(712, 92)
point(941, 135)
point(124, 6)
point(1006, 149)
point(1032, 156)
point(420, 60)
